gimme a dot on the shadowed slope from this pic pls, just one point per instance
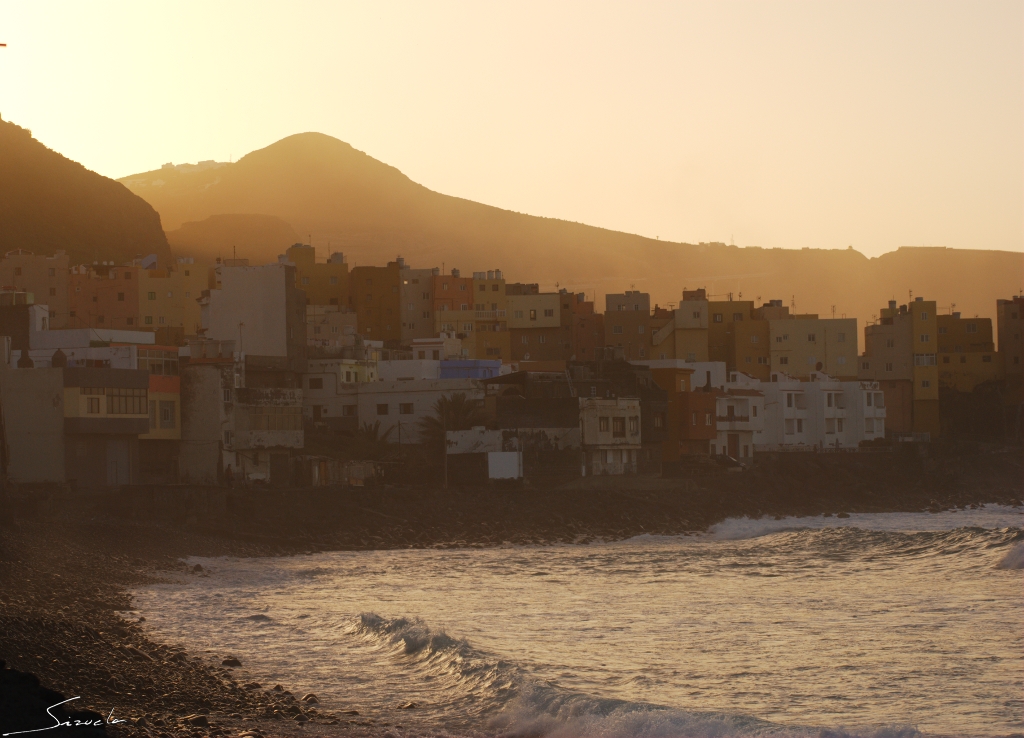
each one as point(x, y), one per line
point(48, 202)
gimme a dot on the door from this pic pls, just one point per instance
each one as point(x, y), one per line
point(119, 461)
point(734, 445)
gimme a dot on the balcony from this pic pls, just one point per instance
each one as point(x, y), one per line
point(733, 418)
point(490, 314)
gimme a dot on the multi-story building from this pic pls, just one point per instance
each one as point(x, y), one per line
point(46, 277)
point(104, 296)
point(806, 345)
point(262, 310)
point(685, 335)
point(538, 331)
point(723, 318)
point(739, 411)
point(1010, 322)
point(610, 435)
point(169, 299)
point(967, 355)
point(586, 326)
point(417, 296)
point(375, 295)
point(900, 353)
point(627, 320)
point(330, 326)
point(325, 283)
point(691, 422)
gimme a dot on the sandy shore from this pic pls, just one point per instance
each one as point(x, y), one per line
point(65, 574)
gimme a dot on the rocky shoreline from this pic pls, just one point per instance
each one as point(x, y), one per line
point(66, 570)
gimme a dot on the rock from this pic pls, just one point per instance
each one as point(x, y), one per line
point(252, 685)
point(310, 699)
point(408, 706)
point(231, 662)
point(197, 721)
point(349, 712)
point(300, 718)
point(278, 688)
point(197, 568)
point(843, 515)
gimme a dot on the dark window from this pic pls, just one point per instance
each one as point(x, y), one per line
point(316, 383)
point(618, 427)
point(718, 318)
point(405, 408)
point(382, 409)
point(602, 423)
point(348, 411)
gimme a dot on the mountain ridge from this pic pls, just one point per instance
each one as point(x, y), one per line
point(343, 197)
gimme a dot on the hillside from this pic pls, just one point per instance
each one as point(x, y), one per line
point(48, 202)
point(371, 211)
point(259, 237)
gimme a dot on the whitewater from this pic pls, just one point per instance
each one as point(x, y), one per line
point(899, 624)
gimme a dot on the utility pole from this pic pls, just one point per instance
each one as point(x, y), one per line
point(444, 425)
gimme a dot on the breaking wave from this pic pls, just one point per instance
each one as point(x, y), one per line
point(511, 702)
point(1014, 558)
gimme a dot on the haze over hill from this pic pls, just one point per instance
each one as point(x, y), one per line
point(48, 202)
point(351, 202)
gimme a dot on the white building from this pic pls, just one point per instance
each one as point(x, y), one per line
point(610, 435)
point(396, 404)
point(740, 421)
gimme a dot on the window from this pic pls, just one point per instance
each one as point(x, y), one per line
point(494, 352)
point(483, 287)
point(52, 272)
point(925, 338)
point(276, 418)
point(348, 411)
point(17, 271)
point(227, 395)
point(841, 360)
point(762, 359)
point(436, 354)
point(717, 318)
point(641, 328)
point(799, 425)
point(382, 409)
point(867, 398)
point(518, 314)
point(972, 328)
point(749, 360)
point(691, 356)
point(617, 329)
point(737, 316)
point(828, 399)
point(942, 330)
point(865, 365)
point(124, 401)
point(810, 338)
point(462, 287)
point(405, 408)
point(150, 295)
point(924, 316)
point(618, 427)
point(603, 424)
point(549, 313)
point(533, 315)
point(316, 383)
point(444, 286)
point(227, 438)
point(93, 406)
point(305, 280)
point(127, 275)
point(869, 425)
point(167, 414)
point(53, 292)
point(839, 425)
point(790, 427)
point(789, 399)
point(542, 339)
point(841, 338)
point(634, 423)
point(888, 366)
point(945, 359)
point(99, 319)
point(696, 314)
point(879, 400)
point(348, 376)
point(695, 418)
point(890, 343)
point(753, 411)
point(129, 321)
point(830, 425)
point(783, 359)
point(963, 359)
point(707, 419)
point(925, 383)
point(986, 359)
point(332, 280)
point(753, 339)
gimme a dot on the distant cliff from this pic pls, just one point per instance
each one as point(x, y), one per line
point(371, 211)
point(48, 202)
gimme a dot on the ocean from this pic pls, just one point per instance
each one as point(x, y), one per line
point(873, 625)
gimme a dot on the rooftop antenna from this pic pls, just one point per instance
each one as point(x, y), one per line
point(833, 312)
point(732, 241)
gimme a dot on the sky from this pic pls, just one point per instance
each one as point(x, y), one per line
point(776, 124)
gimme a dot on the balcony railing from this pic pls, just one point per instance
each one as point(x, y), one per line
point(733, 418)
point(490, 314)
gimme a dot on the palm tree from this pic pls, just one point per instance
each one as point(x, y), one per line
point(452, 412)
point(369, 443)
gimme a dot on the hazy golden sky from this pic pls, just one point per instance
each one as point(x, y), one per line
point(808, 124)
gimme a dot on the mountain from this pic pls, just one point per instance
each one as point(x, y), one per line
point(261, 237)
point(353, 203)
point(48, 202)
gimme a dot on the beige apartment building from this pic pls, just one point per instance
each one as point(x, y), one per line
point(802, 346)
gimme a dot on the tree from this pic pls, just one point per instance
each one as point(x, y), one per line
point(452, 412)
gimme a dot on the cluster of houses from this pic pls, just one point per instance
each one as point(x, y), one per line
point(142, 372)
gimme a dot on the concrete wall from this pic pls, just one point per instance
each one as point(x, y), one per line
point(33, 417)
point(255, 297)
point(203, 419)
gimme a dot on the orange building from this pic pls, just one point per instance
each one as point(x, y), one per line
point(104, 296)
point(375, 295)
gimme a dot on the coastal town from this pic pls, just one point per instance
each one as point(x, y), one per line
point(309, 372)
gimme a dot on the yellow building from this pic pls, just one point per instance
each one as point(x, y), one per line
point(723, 317)
point(168, 298)
point(325, 283)
point(966, 352)
point(685, 335)
point(802, 345)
